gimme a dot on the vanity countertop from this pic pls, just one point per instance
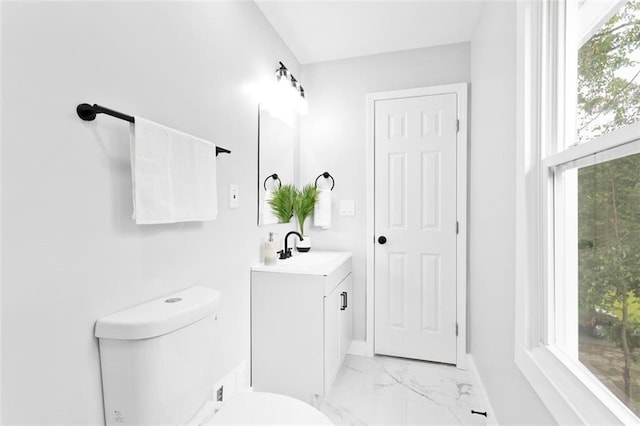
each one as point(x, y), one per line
point(311, 263)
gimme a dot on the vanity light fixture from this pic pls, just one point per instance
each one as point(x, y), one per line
point(293, 88)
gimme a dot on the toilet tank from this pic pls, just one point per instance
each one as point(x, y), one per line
point(157, 358)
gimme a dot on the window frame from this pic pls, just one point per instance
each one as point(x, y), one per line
point(546, 87)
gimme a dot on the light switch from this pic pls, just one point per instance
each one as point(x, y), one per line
point(347, 208)
point(234, 200)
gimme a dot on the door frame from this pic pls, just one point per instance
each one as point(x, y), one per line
point(461, 90)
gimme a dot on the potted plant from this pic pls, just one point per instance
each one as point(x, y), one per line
point(282, 202)
point(304, 202)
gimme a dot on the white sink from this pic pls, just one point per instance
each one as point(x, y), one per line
point(312, 263)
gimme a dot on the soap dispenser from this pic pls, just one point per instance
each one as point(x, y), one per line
point(270, 254)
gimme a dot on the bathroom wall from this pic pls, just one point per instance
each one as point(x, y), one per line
point(70, 251)
point(333, 136)
point(492, 171)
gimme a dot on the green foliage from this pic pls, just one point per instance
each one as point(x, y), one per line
point(304, 203)
point(609, 251)
point(609, 233)
point(608, 89)
point(288, 201)
point(614, 333)
point(282, 202)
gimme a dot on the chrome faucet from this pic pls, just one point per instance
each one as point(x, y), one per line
point(286, 253)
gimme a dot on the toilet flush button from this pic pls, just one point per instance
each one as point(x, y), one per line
point(173, 300)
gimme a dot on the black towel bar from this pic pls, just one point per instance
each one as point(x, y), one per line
point(88, 113)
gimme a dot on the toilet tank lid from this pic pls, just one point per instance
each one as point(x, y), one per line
point(160, 316)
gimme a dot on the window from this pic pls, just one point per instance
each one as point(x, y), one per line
point(608, 73)
point(609, 274)
point(578, 207)
point(597, 218)
point(594, 204)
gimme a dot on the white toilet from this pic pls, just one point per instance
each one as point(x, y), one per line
point(157, 369)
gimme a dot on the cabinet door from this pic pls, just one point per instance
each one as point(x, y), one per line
point(332, 349)
point(287, 317)
point(346, 316)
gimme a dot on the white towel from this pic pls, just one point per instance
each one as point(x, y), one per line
point(268, 218)
point(322, 209)
point(173, 173)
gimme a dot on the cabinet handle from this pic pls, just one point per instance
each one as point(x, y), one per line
point(344, 301)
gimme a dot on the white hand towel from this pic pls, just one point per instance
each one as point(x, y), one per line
point(173, 173)
point(322, 209)
point(268, 218)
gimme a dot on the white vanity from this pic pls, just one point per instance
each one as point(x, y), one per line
point(301, 320)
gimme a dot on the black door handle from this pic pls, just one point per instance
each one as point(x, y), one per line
point(382, 239)
point(344, 300)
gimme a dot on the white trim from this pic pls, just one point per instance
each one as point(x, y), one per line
point(531, 367)
point(615, 138)
point(481, 392)
point(592, 15)
point(358, 347)
point(569, 391)
point(461, 90)
point(613, 153)
point(1, 287)
point(370, 235)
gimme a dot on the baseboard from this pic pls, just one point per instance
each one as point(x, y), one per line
point(358, 347)
point(233, 383)
point(480, 391)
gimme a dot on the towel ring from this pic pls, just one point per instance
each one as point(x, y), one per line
point(274, 177)
point(326, 175)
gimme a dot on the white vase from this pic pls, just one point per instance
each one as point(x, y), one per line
point(304, 245)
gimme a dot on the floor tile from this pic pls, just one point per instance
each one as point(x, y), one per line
point(394, 391)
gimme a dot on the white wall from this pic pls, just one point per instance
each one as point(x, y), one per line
point(333, 136)
point(71, 252)
point(492, 217)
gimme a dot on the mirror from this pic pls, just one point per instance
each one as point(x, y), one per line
point(275, 155)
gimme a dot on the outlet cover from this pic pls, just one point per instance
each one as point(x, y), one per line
point(347, 208)
point(234, 200)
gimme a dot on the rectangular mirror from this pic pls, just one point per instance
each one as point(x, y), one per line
point(275, 156)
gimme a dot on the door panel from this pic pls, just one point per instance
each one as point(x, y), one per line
point(415, 209)
point(396, 289)
point(430, 190)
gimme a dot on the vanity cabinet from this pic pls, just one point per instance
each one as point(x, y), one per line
point(301, 325)
point(337, 328)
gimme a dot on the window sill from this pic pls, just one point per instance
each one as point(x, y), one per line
point(572, 393)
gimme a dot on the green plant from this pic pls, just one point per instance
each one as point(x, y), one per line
point(304, 203)
point(282, 202)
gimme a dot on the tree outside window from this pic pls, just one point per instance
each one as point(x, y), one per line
point(609, 209)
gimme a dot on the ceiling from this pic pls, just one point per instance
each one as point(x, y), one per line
point(317, 30)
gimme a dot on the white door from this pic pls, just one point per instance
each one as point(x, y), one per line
point(415, 227)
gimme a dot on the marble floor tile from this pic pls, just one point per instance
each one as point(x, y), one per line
point(384, 390)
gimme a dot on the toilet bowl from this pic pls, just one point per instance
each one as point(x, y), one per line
point(157, 369)
point(260, 408)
